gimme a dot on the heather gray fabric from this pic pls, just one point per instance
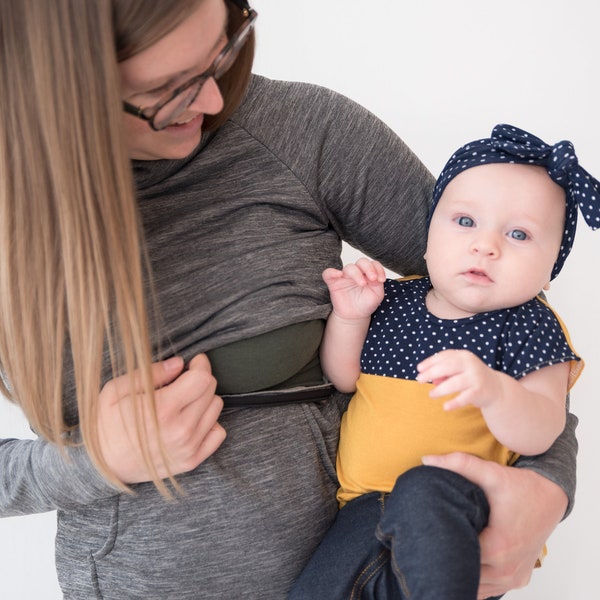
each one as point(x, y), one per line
point(238, 236)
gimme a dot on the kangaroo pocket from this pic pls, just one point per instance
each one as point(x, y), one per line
point(248, 519)
point(82, 535)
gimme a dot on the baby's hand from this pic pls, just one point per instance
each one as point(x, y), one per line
point(357, 290)
point(459, 372)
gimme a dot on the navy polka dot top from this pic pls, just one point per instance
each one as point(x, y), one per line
point(516, 340)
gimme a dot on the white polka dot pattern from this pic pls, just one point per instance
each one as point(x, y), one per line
point(402, 333)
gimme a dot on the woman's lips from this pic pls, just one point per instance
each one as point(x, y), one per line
point(187, 126)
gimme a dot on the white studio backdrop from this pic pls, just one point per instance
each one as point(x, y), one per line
point(438, 73)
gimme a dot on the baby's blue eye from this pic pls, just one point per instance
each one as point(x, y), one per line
point(465, 221)
point(518, 234)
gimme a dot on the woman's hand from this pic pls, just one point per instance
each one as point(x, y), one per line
point(187, 412)
point(525, 507)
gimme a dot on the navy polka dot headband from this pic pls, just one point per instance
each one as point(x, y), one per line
point(509, 144)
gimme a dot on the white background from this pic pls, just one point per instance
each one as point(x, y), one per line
point(440, 73)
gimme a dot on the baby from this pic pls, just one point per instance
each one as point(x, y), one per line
point(469, 359)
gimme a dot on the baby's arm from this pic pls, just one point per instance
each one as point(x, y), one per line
point(356, 291)
point(525, 415)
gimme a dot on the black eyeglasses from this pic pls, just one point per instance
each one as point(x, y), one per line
point(165, 112)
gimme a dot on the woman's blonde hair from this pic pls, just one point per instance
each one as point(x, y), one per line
point(72, 268)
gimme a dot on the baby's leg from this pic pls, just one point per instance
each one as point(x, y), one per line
point(431, 522)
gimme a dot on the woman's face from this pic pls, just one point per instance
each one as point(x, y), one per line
point(149, 76)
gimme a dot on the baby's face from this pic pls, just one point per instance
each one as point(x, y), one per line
point(494, 238)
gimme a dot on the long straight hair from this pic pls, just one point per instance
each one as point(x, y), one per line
point(72, 266)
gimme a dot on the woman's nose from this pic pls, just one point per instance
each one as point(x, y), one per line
point(209, 100)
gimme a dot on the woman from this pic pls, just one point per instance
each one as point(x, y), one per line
point(100, 281)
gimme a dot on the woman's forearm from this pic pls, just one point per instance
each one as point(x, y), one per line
point(35, 477)
point(558, 464)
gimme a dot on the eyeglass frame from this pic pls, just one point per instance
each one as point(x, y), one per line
point(149, 113)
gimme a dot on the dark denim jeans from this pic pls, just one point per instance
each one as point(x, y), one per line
point(418, 542)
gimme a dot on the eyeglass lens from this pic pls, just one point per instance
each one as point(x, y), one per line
point(171, 110)
point(175, 107)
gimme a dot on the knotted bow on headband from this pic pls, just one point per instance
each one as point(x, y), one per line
point(509, 144)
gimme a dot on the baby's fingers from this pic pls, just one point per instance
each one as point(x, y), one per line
point(434, 373)
point(456, 402)
point(331, 274)
point(371, 269)
point(441, 365)
point(353, 272)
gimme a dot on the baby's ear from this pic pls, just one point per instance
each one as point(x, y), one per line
point(546, 287)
